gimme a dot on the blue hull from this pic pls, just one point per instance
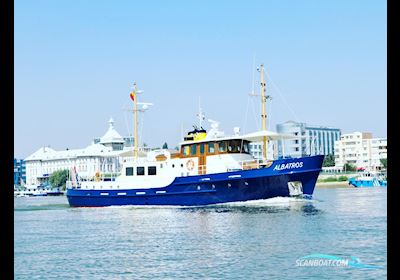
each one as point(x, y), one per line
point(242, 185)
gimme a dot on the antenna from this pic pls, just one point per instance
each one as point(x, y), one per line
point(252, 93)
point(200, 115)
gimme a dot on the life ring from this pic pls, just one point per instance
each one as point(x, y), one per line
point(190, 164)
point(97, 176)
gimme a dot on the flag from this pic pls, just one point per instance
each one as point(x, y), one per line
point(132, 95)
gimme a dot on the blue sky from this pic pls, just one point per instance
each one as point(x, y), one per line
point(76, 61)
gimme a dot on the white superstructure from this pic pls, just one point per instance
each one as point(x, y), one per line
point(206, 153)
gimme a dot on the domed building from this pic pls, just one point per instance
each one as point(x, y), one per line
point(112, 138)
point(103, 156)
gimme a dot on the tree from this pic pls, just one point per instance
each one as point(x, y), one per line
point(384, 162)
point(59, 178)
point(165, 146)
point(349, 167)
point(329, 160)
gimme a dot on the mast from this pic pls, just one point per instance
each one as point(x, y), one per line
point(135, 149)
point(263, 112)
point(145, 106)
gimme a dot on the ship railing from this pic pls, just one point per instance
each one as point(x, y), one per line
point(243, 165)
point(250, 164)
point(255, 164)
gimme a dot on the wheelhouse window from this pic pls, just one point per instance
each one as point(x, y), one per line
point(211, 148)
point(140, 170)
point(202, 148)
point(222, 147)
point(245, 147)
point(151, 170)
point(129, 171)
point(234, 146)
point(186, 150)
point(193, 149)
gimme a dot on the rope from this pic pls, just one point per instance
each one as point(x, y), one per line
point(282, 97)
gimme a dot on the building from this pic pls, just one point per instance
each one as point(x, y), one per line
point(311, 140)
point(361, 150)
point(104, 157)
point(19, 172)
point(256, 150)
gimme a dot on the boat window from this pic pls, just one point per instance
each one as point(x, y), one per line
point(222, 147)
point(202, 148)
point(238, 146)
point(140, 170)
point(245, 145)
point(186, 150)
point(234, 146)
point(151, 170)
point(129, 171)
point(211, 148)
point(193, 149)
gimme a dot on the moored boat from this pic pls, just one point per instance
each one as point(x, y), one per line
point(369, 179)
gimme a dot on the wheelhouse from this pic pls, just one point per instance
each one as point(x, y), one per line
point(230, 146)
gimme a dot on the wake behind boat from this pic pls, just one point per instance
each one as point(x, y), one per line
point(209, 168)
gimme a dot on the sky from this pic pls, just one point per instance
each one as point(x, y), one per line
point(75, 63)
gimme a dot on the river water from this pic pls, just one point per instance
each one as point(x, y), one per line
point(250, 240)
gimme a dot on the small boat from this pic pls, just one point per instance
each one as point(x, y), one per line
point(369, 179)
point(22, 193)
point(54, 192)
point(39, 192)
point(208, 168)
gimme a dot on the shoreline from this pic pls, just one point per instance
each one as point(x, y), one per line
point(343, 184)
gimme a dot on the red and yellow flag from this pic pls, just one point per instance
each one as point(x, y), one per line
point(132, 95)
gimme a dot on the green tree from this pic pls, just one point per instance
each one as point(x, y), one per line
point(349, 167)
point(59, 178)
point(329, 160)
point(165, 146)
point(384, 162)
point(342, 178)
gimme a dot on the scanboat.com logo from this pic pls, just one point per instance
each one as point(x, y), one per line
point(331, 260)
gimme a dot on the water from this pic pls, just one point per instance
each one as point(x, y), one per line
point(251, 240)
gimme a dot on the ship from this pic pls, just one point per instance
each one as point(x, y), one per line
point(208, 168)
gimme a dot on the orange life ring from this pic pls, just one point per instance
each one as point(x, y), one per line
point(190, 164)
point(97, 175)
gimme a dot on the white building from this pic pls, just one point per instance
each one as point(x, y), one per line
point(103, 157)
point(310, 140)
point(361, 150)
point(256, 150)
